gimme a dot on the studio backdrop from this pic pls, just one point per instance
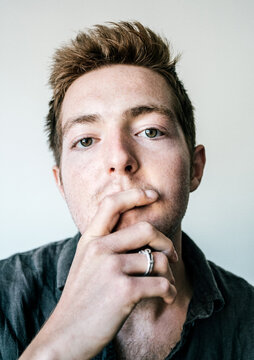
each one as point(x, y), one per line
point(215, 39)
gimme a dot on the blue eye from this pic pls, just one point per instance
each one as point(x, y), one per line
point(86, 142)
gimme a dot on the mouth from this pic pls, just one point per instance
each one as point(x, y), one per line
point(133, 216)
point(117, 188)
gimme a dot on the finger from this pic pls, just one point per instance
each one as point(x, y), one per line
point(114, 205)
point(149, 287)
point(141, 235)
point(136, 264)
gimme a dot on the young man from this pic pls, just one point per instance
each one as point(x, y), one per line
point(130, 285)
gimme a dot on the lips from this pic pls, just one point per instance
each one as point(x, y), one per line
point(131, 217)
point(116, 189)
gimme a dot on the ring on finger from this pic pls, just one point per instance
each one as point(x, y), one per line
point(150, 261)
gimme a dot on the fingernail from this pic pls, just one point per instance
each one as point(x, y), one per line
point(151, 194)
point(175, 256)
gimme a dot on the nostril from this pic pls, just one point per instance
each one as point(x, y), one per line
point(128, 168)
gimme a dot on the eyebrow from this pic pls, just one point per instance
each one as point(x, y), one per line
point(131, 113)
point(147, 109)
point(83, 119)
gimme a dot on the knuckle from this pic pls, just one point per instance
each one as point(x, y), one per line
point(171, 299)
point(147, 228)
point(135, 292)
point(108, 202)
point(165, 285)
point(113, 264)
point(140, 192)
point(170, 252)
point(94, 248)
point(162, 260)
point(125, 294)
point(171, 247)
point(125, 287)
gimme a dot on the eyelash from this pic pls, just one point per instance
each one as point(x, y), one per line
point(86, 138)
point(159, 133)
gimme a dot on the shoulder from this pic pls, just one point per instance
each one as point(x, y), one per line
point(231, 285)
point(28, 286)
point(238, 295)
point(31, 264)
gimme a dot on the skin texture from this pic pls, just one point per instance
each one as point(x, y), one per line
point(126, 176)
point(162, 164)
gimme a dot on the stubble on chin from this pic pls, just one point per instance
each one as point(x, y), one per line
point(165, 214)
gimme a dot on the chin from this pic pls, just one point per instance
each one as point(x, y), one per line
point(137, 215)
point(168, 225)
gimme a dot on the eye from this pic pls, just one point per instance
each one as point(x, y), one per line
point(151, 133)
point(86, 142)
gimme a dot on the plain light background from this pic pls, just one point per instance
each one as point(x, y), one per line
point(216, 42)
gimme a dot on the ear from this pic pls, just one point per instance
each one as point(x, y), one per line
point(198, 164)
point(58, 179)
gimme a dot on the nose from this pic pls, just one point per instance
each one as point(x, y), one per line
point(121, 156)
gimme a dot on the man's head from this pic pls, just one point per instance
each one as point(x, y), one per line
point(120, 119)
point(118, 43)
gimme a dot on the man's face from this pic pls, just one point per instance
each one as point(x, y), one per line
point(120, 132)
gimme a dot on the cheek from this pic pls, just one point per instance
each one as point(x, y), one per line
point(80, 191)
point(79, 172)
point(181, 168)
point(170, 171)
point(74, 178)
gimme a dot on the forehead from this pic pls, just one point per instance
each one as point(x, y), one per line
point(114, 89)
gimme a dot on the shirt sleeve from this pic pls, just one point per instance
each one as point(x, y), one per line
point(246, 335)
point(9, 344)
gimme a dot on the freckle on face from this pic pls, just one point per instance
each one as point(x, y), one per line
point(162, 165)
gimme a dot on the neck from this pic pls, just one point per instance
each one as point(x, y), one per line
point(155, 307)
point(152, 319)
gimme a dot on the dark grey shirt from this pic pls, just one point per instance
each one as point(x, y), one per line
point(220, 319)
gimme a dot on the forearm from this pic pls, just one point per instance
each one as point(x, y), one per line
point(56, 341)
point(89, 314)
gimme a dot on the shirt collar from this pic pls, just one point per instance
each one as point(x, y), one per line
point(65, 260)
point(207, 296)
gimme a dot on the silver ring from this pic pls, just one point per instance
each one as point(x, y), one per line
point(150, 260)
